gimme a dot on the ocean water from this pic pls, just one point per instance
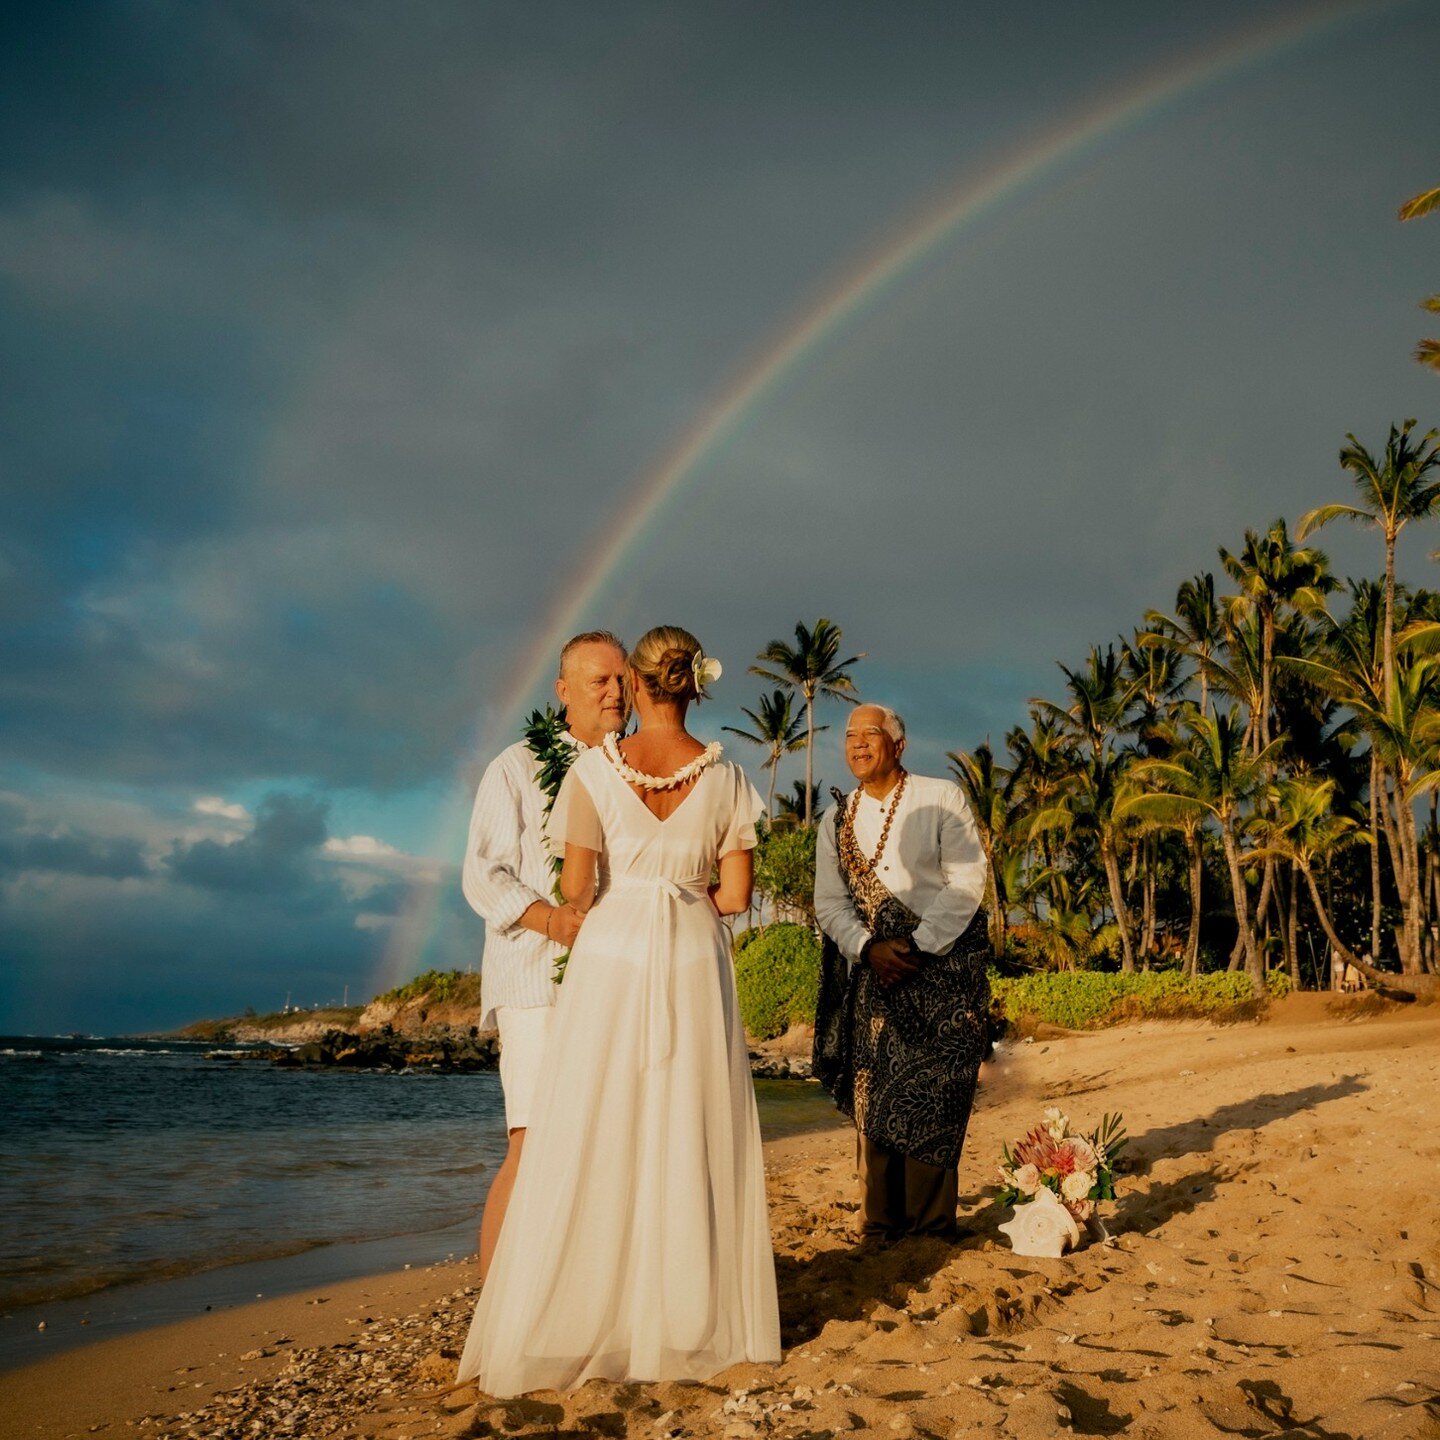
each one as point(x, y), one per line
point(131, 1160)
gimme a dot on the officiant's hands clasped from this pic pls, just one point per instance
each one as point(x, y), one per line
point(891, 960)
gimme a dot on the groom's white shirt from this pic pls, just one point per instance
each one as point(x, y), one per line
point(933, 862)
point(506, 870)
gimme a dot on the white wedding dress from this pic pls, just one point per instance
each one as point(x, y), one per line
point(636, 1245)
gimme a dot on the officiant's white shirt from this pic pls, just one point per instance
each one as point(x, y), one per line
point(506, 870)
point(933, 862)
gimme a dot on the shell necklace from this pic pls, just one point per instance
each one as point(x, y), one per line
point(872, 861)
point(706, 758)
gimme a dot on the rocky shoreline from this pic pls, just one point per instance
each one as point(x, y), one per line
point(445, 1050)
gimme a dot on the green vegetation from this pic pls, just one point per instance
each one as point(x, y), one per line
point(335, 1016)
point(777, 977)
point(437, 987)
point(1091, 999)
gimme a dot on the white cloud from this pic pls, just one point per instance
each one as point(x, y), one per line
point(221, 808)
point(361, 847)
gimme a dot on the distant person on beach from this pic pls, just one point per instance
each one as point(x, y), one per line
point(638, 1243)
point(508, 878)
point(901, 1026)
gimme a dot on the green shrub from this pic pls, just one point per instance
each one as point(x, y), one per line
point(777, 977)
point(1090, 999)
point(1277, 982)
point(785, 871)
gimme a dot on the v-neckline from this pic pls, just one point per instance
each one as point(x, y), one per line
point(629, 790)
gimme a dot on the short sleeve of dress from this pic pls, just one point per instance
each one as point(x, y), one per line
point(746, 808)
point(574, 819)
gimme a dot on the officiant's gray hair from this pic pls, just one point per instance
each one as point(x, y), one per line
point(891, 719)
point(591, 637)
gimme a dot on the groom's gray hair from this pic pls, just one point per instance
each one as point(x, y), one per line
point(591, 637)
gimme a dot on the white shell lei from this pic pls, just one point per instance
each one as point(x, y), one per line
point(706, 758)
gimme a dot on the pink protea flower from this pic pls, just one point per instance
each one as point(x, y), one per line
point(1037, 1149)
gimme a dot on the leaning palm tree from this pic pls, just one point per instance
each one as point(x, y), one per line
point(780, 730)
point(1396, 488)
point(810, 668)
point(1212, 778)
point(1427, 352)
point(1302, 827)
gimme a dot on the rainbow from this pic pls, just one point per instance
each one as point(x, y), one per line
point(860, 287)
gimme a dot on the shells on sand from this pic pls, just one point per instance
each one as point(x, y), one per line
point(1042, 1227)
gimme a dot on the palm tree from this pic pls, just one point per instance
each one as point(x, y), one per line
point(810, 668)
point(1427, 352)
point(1066, 935)
point(1100, 697)
point(1403, 729)
point(1213, 777)
point(1272, 575)
point(1195, 630)
point(1402, 486)
point(797, 804)
point(1303, 827)
point(779, 730)
point(1155, 809)
point(990, 789)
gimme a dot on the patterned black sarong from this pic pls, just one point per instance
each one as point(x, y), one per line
point(902, 1062)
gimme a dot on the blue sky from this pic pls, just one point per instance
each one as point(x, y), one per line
point(331, 336)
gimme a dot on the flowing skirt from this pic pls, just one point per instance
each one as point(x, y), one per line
point(636, 1245)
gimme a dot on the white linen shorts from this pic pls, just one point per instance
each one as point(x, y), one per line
point(523, 1033)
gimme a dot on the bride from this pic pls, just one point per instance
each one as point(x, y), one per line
point(637, 1244)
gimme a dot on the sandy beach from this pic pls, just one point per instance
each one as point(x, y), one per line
point(1275, 1271)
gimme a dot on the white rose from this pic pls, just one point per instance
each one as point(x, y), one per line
point(1027, 1179)
point(1077, 1185)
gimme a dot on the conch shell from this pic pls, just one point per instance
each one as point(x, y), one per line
point(1042, 1227)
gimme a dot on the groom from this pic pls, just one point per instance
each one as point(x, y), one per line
point(507, 877)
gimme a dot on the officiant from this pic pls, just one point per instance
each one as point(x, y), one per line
point(901, 1024)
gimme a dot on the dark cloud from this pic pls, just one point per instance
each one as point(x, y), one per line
point(68, 852)
point(277, 856)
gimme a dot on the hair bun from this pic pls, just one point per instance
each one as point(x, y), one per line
point(664, 659)
point(677, 674)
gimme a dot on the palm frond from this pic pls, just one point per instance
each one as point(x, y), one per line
point(1312, 520)
point(1420, 205)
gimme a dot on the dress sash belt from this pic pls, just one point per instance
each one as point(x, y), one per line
point(657, 1020)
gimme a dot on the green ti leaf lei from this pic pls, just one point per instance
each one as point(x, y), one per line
point(545, 740)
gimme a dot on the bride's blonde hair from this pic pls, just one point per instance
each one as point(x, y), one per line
point(664, 659)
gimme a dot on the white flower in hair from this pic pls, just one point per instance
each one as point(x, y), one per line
point(707, 670)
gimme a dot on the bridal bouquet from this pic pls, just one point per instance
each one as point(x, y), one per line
point(1076, 1170)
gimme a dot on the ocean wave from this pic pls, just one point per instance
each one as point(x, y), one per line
point(23, 1054)
point(129, 1050)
